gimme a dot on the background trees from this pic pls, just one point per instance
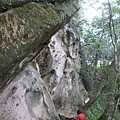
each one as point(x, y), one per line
point(100, 42)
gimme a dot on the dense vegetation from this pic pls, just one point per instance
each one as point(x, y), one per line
point(100, 41)
point(100, 45)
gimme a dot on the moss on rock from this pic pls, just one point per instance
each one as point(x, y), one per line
point(24, 31)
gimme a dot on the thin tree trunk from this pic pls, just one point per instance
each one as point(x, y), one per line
point(112, 101)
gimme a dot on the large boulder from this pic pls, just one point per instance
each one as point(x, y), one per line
point(25, 30)
point(39, 61)
point(50, 85)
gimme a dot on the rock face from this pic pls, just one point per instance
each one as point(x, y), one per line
point(25, 30)
point(48, 86)
point(62, 76)
point(27, 98)
point(39, 81)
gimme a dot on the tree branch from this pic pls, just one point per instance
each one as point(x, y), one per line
point(112, 100)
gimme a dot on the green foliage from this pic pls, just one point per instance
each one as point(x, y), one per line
point(96, 109)
point(97, 46)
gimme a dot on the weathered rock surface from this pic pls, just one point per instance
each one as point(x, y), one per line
point(39, 70)
point(25, 30)
point(27, 98)
point(49, 85)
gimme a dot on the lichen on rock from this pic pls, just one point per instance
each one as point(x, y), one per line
point(48, 86)
point(24, 31)
point(40, 63)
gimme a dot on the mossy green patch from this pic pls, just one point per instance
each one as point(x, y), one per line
point(96, 109)
point(25, 31)
point(21, 30)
